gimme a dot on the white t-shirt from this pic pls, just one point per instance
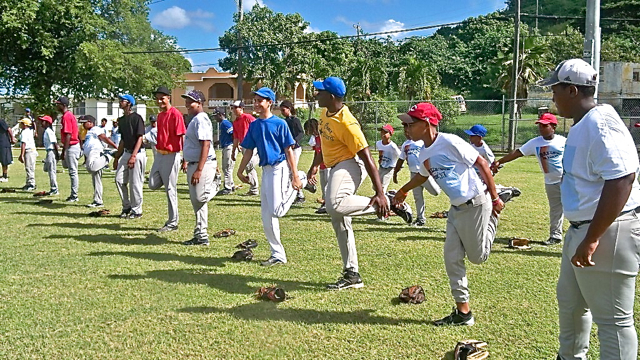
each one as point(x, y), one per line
point(390, 153)
point(549, 154)
point(410, 152)
point(92, 141)
point(49, 139)
point(26, 137)
point(485, 152)
point(598, 148)
point(151, 135)
point(450, 162)
point(199, 129)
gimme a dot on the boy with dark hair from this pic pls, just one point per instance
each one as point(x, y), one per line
point(240, 128)
point(6, 157)
point(169, 140)
point(200, 165)
point(311, 129)
point(600, 194)
point(95, 157)
point(226, 145)
point(28, 153)
point(269, 135)
point(548, 148)
point(295, 126)
point(473, 216)
point(476, 134)
point(130, 160)
point(51, 147)
point(388, 154)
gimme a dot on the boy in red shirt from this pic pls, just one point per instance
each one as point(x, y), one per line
point(240, 128)
point(71, 151)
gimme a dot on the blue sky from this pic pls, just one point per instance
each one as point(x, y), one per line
point(202, 22)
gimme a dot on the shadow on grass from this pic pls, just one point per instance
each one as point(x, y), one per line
point(506, 250)
point(115, 227)
point(421, 238)
point(237, 284)
point(151, 239)
point(268, 311)
point(194, 260)
point(309, 217)
point(51, 213)
point(34, 201)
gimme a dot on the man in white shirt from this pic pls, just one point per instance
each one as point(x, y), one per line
point(600, 193)
point(96, 158)
point(548, 148)
point(28, 153)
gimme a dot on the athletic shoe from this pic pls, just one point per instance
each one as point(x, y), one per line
point(72, 199)
point(298, 200)
point(349, 279)
point(53, 193)
point(321, 210)
point(419, 223)
point(224, 192)
point(311, 188)
point(95, 205)
point(134, 215)
point(404, 211)
point(456, 318)
point(552, 241)
point(507, 193)
point(194, 241)
point(4, 179)
point(271, 262)
point(29, 187)
point(167, 228)
point(250, 193)
point(125, 213)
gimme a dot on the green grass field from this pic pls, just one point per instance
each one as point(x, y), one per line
point(75, 287)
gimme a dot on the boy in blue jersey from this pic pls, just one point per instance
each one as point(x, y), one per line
point(226, 145)
point(272, 139)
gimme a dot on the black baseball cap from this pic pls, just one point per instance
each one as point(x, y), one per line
point(153, 118)
point(162, 90)
point(195, 95)
point(62, 100)
point(220, 111)
point(86, 118)
point(287, 104)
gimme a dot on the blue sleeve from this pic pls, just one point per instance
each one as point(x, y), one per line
point(286, 139)
point(248, 142)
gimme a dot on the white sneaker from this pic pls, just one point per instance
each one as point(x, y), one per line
point(4, 179)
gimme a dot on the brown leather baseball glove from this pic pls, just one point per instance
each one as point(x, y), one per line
point(412, 294)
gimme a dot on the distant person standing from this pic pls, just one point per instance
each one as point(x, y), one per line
point(96, 158)
point(225, 128)
point(388, 154)
point(131, 159)
point(6, 157)
point(170, 131)
point(295, 126)
point(115, 133)
point(34, 127)
point(28, 153)
point(71, 151)
point(51, 147)
point(240, 128)
point(151, 134)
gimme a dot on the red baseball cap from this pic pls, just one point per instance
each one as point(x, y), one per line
point(422, 112)
point(547, 118)
point(46, 118)
point(388, 128)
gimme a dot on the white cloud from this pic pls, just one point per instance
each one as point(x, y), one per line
point(247, 5)
point(391, 25)
point(310, 29)
point(178, 18)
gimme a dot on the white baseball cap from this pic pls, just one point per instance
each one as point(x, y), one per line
point(238, 103)
point(574, 71)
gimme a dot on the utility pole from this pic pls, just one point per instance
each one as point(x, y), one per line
point(239, 52)
point(513, 113)
point(591, 52)
point(537, 4)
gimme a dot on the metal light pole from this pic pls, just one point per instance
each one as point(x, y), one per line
point(240, 78)
point(513, 113)
point(591, 52)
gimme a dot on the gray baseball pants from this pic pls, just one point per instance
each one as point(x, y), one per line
point(251, 172)
point(71, 158)
point(227, 167)
point(201, 193)
point(342, 203)
point(30, 156)
point(471, 229)
point(432, 187)
point(129, 182)
point(51, 168)
point(604, 292)
point(94, 164)
point(386, 174)
point(556, 214)
point(297, 152)
point(164, 171)
point(324, 178)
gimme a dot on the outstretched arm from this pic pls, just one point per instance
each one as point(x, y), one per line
point(379, 200)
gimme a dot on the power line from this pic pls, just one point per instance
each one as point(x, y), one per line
point(559, 17)
point(232, 49)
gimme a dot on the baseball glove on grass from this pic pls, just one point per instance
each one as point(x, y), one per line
point(41, 193)
point(103, 212)
point(5, 190)
point(45, 202)
point(249, 244)
point(412, 294)
point(519, 243)
point(471, 350)
point(271, 293)
point(440, 215)
point(224, 233)
point(243, 255)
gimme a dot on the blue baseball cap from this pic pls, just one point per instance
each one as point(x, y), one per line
point(129, 98)
point(477, 130)
point(334, 85)
point(27, 110)
point(266, 93)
